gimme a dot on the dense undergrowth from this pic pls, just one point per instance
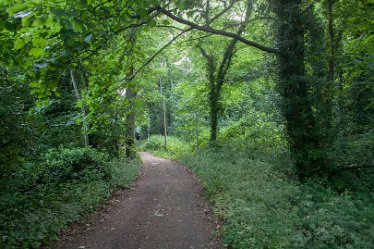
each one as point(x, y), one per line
point(263, 207)
point(42, 197)
point(175, 146)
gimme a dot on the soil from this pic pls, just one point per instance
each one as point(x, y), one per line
point(163, 209)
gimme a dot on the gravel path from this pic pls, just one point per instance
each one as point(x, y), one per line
point(162, 210)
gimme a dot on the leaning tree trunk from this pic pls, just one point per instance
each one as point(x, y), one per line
point(304, 137)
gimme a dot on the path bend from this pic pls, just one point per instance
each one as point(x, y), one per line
point(162, 210)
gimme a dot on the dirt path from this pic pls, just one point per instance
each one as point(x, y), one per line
point(162, 210)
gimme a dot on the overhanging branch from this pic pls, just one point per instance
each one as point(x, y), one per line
point(216, 31)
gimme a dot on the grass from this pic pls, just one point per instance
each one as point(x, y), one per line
point(32, 213)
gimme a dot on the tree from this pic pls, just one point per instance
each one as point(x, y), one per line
point(216, 72)
point(293, 86)
point(296, 106)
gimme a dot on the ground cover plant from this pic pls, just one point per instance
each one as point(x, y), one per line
point(263, 208)
point(43, 197)
point(174, 146)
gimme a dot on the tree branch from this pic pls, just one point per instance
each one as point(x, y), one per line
point(222, 12)
point(169, 26)
point(158, 52)
point(217, 32)
point(307, 8)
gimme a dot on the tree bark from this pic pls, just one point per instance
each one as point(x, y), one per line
point(304, 137)
point(216, 31)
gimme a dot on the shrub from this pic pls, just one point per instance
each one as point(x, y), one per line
point(43, 197)
point(62, 165)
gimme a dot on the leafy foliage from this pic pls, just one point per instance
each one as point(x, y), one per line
point(175, 146)
point(43, 197)
point(263, 208)
point(308, 114)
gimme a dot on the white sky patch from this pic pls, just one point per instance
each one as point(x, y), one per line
point(22, 14)
point(122, 92)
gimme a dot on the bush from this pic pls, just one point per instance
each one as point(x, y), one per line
point(62, 165)
point(44, 197)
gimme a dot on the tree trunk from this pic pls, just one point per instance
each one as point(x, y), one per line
point(330, 76)
point(164, 115)
point(130, 98)
point(214, 111)
point(216, 77)
point(130, 121)
point(83, 110)
point(293, 86)
point(214, 107)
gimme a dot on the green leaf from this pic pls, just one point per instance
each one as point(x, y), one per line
point(50, 23)
point(190, 13)
point(152, 23)
point(16, 8)
point(19, 43)
point(39, 42)
point(77, 26)
point(34, 84)
point(36, 52)
point(166, 22)
point(38, 22)
point(66, 24)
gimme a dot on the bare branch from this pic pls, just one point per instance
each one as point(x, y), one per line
point(223, 11)
point(198, 38)
point(169, 26)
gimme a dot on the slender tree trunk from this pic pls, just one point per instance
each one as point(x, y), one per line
point(216, 76)
point(293, 86)
point(164, 115)
point(130, 116)
point(83, 109)
point(130, 121)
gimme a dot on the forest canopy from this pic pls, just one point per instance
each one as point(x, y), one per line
point(285, 82)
